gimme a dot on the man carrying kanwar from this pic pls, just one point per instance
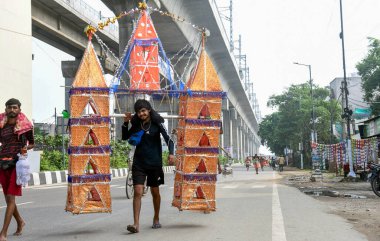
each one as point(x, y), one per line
point(16, 137)
point(147, 159)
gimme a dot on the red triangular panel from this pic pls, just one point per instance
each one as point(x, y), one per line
point(177, 191)
point(204, 113)
point(93, 195)
point(91, 136)
point(204, 140)
point(144, 27)
point(201, 167)
point(199, 193)
point(91, 165)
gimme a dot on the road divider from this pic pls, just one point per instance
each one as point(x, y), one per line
point(53, 177)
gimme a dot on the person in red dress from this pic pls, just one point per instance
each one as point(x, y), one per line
point(16, 136)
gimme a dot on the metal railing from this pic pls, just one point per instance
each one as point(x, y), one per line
point(92, 14)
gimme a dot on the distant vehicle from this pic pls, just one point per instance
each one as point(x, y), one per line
point(227, 170)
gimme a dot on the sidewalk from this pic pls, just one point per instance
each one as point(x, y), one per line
point(353, 201)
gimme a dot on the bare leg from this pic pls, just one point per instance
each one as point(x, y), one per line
point(20, 222)
point(156, 203)
point(138, 192)
point(11, 205)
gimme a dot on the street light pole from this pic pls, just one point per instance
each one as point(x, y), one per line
point(313, 135)
point(347, 112)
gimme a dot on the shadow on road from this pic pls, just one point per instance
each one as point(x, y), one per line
point(185, 226)
point(73, 233)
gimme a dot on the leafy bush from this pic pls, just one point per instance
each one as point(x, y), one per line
point(53, 161)
point(223, 159)
point(165, 157)
point(120, 153)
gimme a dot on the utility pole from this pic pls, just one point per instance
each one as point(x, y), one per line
point(229, 19)
point(231, 29)
point(314, 138)
point(55, 121)
point(347, 112)
point(332, 96)
point(313, 132)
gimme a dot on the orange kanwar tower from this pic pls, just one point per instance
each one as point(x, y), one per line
point(198, 140)
point(89, 147)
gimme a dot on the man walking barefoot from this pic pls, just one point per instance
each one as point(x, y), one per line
point(147, 159)
point(16, 136)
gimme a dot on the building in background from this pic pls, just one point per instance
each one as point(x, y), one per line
point(16, 53)
point(359, 107)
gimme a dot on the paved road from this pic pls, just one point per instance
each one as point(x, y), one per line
point(250, 207)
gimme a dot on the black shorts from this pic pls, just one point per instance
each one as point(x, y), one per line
point(154, 176)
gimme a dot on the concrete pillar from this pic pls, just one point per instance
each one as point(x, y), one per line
point(247, 141)
point(16, 54)
point(239, 140)
point(226, 129)
point(244, 149)
point(231, 131)
point(250, 142)
point(234, 133)
point(69, 69)
point(236, 139)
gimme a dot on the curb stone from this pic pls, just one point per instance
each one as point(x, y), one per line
point(55, 177)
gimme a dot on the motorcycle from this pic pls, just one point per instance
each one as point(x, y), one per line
point(374, 177)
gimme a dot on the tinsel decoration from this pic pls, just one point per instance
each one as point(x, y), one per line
point(89, 178)
point(89, 150)
point(197, 150)
point(89, 121)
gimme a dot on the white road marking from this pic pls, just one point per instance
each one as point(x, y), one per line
point(278, 228)
point(47, 187)
point(230, 186)
point(258, 186)
point(121, 187)
point(18, 204)
point(114, 185)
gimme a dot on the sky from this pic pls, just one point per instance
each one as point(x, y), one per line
point(275, 33)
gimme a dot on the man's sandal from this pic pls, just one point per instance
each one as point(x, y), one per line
point(156, 225)
point(132, 229)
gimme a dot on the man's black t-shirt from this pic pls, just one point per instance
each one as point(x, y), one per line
point(148, 152)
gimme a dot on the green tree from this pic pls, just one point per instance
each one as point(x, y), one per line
point(291, 124)
point(369, 70)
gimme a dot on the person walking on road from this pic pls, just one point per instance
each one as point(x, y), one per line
point(256, 163)
point(281, 163)
point(262, 163)
point(273, 163)
point(147, 159)
point(16, 136)
point(247, 162)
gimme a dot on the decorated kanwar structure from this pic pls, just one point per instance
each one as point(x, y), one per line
point(198, 140)
point(145, 70)
point(89, 148)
